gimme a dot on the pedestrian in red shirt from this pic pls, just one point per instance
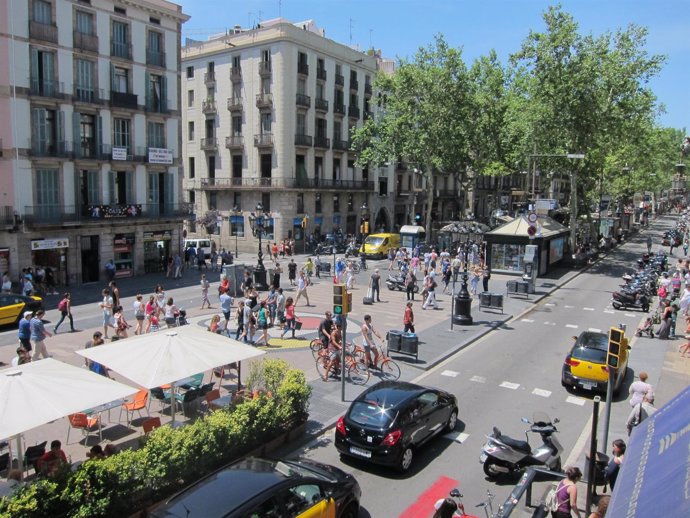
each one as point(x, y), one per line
point(51, 461)
point(408, 318)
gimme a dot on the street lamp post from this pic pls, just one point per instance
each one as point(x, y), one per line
point(235, 213)
point(463, 301)
point(364, 229)
point(257, 222)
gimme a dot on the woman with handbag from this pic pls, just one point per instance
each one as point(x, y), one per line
point(666, 319)
point(289, 317)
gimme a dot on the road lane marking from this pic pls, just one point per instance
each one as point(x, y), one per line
point(541, 392)
point(549, 304)
point(451, 374)
point(509, 385)
point(458, 437)
point(588, 309)
point(609, 311)
point(568, 307)
point(528, 320)
point(478, 379)
point(439, 489)
point(575, 400)
point(571, 326)
point(629, 315)
point(594, 330)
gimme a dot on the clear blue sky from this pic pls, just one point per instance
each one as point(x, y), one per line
point(399, 27)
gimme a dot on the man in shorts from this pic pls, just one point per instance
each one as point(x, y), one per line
point(368, 333)
point(334, 346)
point(225, 307)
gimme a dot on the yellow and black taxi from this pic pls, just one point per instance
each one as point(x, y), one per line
point(585, 365)
point(260, 488)
point(387, 423)
point(12, 307)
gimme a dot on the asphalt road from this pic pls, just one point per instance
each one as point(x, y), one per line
point(509, 374)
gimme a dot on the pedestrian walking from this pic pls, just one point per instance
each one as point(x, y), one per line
point(38, 335)
point(24, 333)
point(204, 292)
point(6, 283)
point(649, 244)
point(375, 285)
point(280, 308)
point(639, 389)
point(65, 309)
point(121, 324)
point(249, 322)
point(160, 300)
point(271, 304)
point(106, 306)
point(151, 308)
point(302, 283)
point(292, 271)
point(350, 275)
point(566, 494)
point(178, 267)
point(408, 319)
point(290, 318)
point(114, 293)
point(239, 320)
point(410, 283)
point(226, 308)
point(666, 318)
point(431, 292)
point(139, 313)
point(262, 323)
point(447, 273)
point(639, 413)
point(486, 275)
point(474, 282)
point(170, 313)
point(277, 270)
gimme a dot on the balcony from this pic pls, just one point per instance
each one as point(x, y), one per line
point(322, 142)
point(353, 112)
point(155, 58)
point(265, 68)
point(124, 100)
point(341, 145)
point(234, 104)
point(7, 216)
point(84, 41)
point(339, 109)
point(234, 142)
point(236, 74)
point(321, 74)
point(208, 107)
point(87, 94)
point(211, 184)
point(209, 144)
point(46, 88)
point(303, 100)
point(339, 80)
point(334, 185)
point(447, 193)
point(210, 78)
point(367, 89)
point(303, 69)
point(263, 140)
point(121, 50)
point(56, 215)
point(157, 106)
point(86, 149)
point(43, 31)
point(321, 105)
point(124, 153)
point(264, 100)
point(354, 84)
point(302, 140)
point(60, 149)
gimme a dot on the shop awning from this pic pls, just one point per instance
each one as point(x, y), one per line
point(518, 227)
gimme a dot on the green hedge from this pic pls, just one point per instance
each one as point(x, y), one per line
point(170, 458)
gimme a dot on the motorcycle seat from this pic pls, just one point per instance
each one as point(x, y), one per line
point(514, 443)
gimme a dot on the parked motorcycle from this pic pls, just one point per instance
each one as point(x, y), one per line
point(351, 250)
point(634, 300)
point(503, 454)
point(397, 282)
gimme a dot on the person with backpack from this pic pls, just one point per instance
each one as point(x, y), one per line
point(639, 413)
point(563, 500)
point(65, 309)
point(431, 291)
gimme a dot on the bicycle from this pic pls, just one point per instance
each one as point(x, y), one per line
point(356, 370)
point(456, 496)
point(389, 369)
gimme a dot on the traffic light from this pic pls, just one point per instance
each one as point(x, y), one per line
point(341, 300)
point(617, 342)
point(418, 218)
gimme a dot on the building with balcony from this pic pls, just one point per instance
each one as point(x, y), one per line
point(286, 130)
point(90, 166)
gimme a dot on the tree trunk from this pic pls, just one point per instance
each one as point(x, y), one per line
point(573, 211)
point(429, 201)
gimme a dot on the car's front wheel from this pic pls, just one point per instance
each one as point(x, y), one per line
point(452, 420)
point(351, 511)
point(406, 459)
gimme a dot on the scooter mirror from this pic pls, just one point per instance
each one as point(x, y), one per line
point(556, 421)
point(455, 493)
point(525, 420)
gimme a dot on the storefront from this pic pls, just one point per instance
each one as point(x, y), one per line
point(156, 250)
point(51, 253)
point(506, 244)
point(4, 260)
point(123, 255)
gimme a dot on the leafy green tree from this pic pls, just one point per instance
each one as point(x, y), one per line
point(424, 119)
point(585, 92)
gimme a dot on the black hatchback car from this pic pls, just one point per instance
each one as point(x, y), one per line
point(259, 488)
point(389, 421)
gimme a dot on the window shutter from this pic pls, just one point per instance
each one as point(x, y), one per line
point(76, 133)
point(34, 70)
point(99, 136)
point(169, 192)
point(111, 187)
point(112, 78)
point(129, 187)
point(164, 94)
point(39, 130)
point(147, 83)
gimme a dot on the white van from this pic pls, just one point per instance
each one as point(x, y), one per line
point(199, 244)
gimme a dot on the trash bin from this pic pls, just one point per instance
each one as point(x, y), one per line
point(602, 460)
point(394, 340)
point(325, 268)
point(497, 300)
point(511, 286)
point(409, 343)
point(485, 298)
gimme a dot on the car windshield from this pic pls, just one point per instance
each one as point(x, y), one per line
point(589, 354)
point(373, 241)
point(369, 413)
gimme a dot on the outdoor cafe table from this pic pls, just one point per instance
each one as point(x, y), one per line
point(105, 406)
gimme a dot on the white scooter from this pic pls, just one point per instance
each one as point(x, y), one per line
point(502, 454)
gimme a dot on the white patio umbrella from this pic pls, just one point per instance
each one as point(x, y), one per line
point(39, 392)
point(156, 359)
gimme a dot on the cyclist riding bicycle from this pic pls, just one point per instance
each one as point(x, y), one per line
point(335, 344)
point(368, 343)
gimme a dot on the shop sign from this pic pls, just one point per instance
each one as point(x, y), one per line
point(158, 235)
point(158, 155)
point(119, 153)
point(114, 211)
point(49, 244)
point(124, 239)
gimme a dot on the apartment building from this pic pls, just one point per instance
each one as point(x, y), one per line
point(266, 116)
point(89, 150)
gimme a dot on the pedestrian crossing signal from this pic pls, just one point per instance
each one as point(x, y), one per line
point(616, 343)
